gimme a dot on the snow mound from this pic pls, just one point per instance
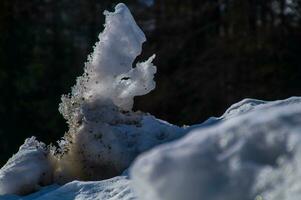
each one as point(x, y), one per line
point(243, 107)
point(113, 189)
point(27, 170)
point(253, 151)
point(254, 154)
point(105, 135)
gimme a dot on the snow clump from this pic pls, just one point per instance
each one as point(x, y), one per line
point(27, 170)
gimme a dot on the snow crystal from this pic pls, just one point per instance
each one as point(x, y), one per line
point(253, 155)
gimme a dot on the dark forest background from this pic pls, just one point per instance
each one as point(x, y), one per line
point(210, 54)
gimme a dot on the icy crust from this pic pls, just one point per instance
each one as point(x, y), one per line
point(256, 155)
point(117, 188)
point(105, 135)
point(27, 170)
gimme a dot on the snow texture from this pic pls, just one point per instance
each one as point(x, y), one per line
point(253, 152)
point(27, 170)
point(245, 106)
point(109, 76)
point(105, 135)
point(117, 188)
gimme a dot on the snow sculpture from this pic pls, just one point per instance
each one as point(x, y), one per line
point(105, 135)
point(27, 170)
point(254, 154)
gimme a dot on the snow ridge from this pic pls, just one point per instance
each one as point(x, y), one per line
point(255, 154)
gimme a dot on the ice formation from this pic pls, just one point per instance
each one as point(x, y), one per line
point(253, 153)
point(27, 170)
point(109, 78)
point(105, 135)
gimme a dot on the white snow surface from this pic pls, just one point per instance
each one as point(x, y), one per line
point(117, 188)
point(27, 170)
point(109, 75)
point(105, 135)
point(245, 106)
point(252, 152)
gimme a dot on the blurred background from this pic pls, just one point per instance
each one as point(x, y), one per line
point(210, 54)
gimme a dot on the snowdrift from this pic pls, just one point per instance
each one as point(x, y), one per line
point(117, 188)
point(26, 170)
point(251, 152)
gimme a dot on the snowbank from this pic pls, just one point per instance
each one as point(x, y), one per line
point(253, 151)
point(27, 170)
point(245, 106)
point(254, 154)
point(250, 152)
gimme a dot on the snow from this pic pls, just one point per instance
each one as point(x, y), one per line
point(254, 153)
point(113, 189)
point(105, 135)
point(27, 170)
point(245, 106)
point(109, 76)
